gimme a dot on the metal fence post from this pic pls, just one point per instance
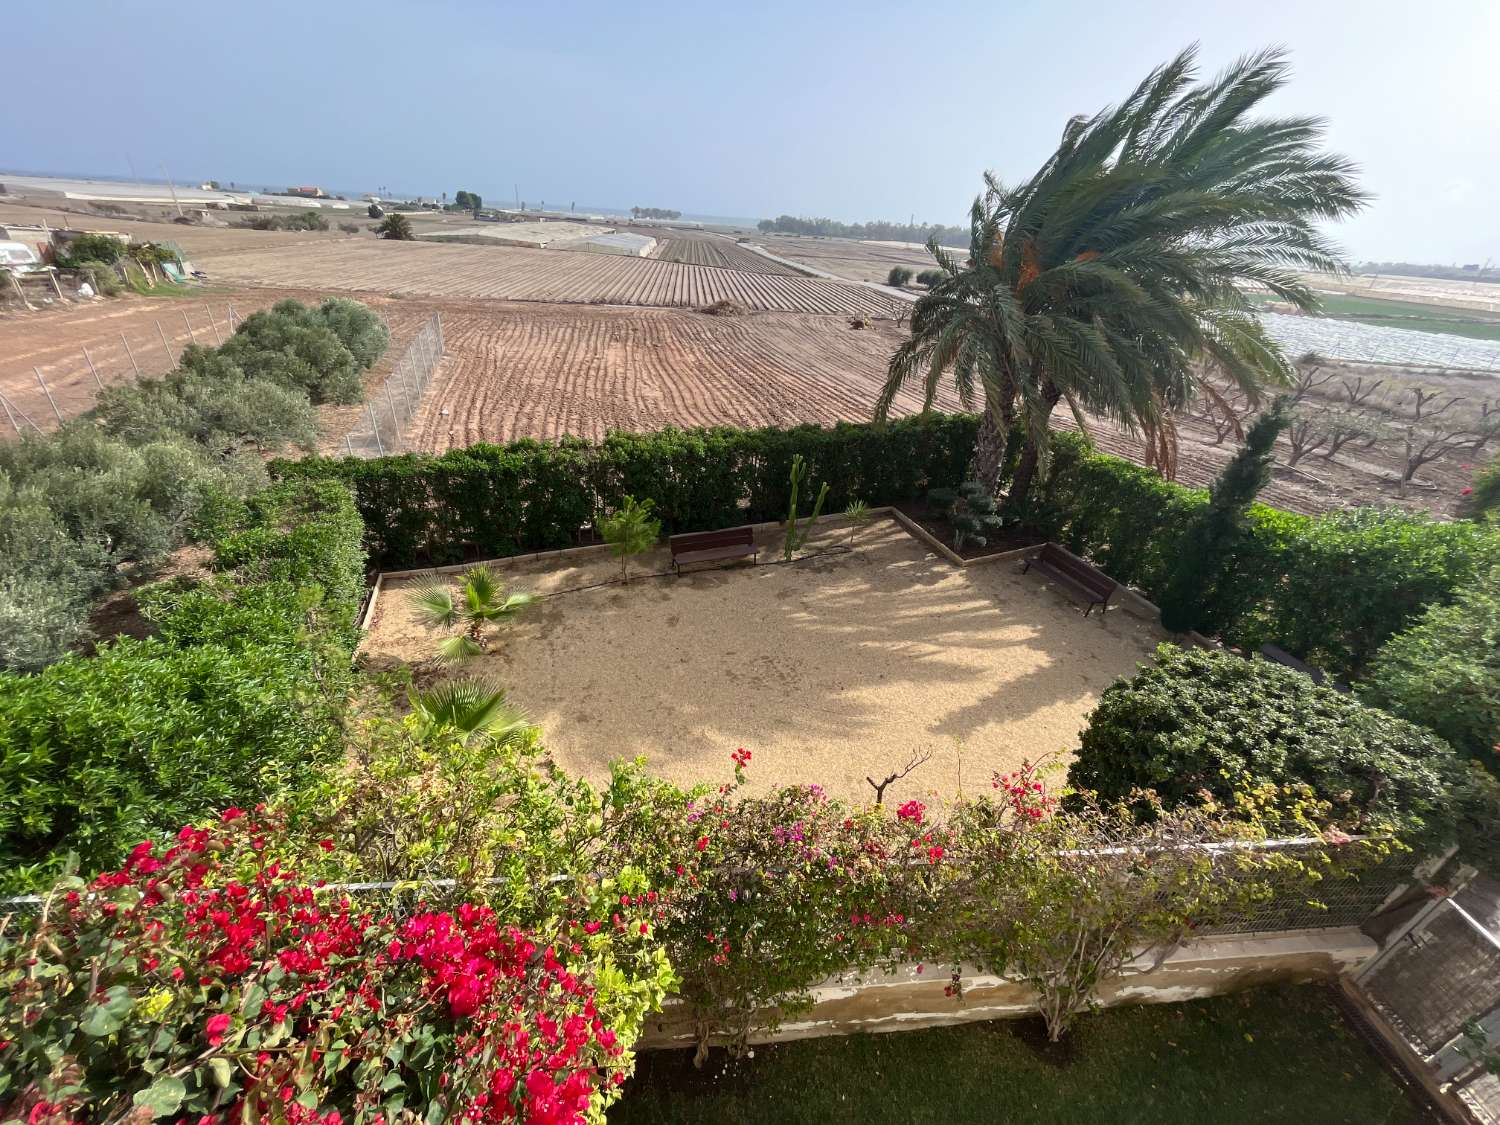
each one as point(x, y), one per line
point(349, 444)
point(375, 426)
point(10, 416)
point(38, 372)
point(192, 338)
point(170, 361)
point(97, 381)
point(214, 324)
point(131, 354)
point(391, 404)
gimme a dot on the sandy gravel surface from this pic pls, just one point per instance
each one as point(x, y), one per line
point(826, 670)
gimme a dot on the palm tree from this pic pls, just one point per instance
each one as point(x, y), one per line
point(1112, 279)
point(482, 599)
point(396, 226)
point(469, 707)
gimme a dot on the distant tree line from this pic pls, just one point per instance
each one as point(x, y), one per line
point(1472, 272)
point(877, 230)
point(467, 201)
point(654, 213)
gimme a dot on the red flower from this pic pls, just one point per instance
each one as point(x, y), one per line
point(702, 842)
point(231, 813)
point(912, 811)
point(216, 1027)
point(326, 845)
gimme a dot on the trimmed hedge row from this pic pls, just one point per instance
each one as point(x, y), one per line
point(1331, 589)
point(497, 500)
point(239, 694)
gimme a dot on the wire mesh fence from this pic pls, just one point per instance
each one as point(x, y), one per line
point(1438, 987)
point(62, 390)
point(389, 410)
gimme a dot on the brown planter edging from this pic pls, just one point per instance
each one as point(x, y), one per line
point(917, 531)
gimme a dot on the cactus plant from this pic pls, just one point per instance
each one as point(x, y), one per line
point(794, 538)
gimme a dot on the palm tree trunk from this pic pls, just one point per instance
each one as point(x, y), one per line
point(1031, 456)
point(989, 451)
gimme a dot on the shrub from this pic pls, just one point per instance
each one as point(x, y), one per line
point(91, 248)
point(630, 531)
point(899, 276)
point(349, 228)
point(930, 278)
point(1444, 672)
point(200, 982)
point(1330, 589)
point(1199, 722)
point(238, 699)
point(357, 326)
point(492, 500)
point(1485, 495)
point(288, 346)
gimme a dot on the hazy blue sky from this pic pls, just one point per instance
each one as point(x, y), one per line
point(855, 110)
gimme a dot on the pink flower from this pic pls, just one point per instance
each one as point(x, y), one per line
point(231, 813)
point(912, 811)
point(216, 1027)
point(1467, 492)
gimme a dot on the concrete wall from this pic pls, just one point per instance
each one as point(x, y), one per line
point(906, 999)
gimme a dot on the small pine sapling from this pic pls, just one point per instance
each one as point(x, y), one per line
point(858, 514)
point(630, 531)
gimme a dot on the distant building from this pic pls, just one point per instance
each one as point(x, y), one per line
point(307, 192)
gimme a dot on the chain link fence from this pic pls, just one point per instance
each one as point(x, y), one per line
point(389, 410)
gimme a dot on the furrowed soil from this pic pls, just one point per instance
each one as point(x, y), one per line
point(521, 370)
point(518, 273)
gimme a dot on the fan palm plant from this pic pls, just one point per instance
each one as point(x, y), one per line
point(1114, 277)
point(468, 707)
point(479, 600)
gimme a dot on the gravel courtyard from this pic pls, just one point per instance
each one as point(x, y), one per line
point(829, 669)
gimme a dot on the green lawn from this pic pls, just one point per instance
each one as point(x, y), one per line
point(1271, 1056)
point(1471, 323)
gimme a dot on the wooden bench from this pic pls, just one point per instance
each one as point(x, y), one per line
point(1279, 655)
point(712, 546)
point(1081, 577)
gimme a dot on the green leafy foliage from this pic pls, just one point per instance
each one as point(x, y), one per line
point(796, 539)
point(479, 600)
point(91, 248)
point(1485, 497)
point(930, 278)
point(237, 699)
point(1200, 722)
point(974, 515)
point(293, 346)
point(1205, 569)
point(489, 501)
point(396, 227)
point(630, 531)
point(899, 277)
point(1444, 672)
point(1330, 589)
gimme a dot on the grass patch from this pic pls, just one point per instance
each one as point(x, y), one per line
point(1471, 323)
point(1265, 1057)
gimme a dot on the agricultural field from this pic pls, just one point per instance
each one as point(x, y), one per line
point(517, 273)
point(721, 253)
point(541, 371)
point(849, 258)
point(133, 336)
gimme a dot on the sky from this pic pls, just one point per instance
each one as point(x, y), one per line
point(852, 110)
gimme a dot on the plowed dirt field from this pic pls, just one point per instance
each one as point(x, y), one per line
point(520, 370)
point(516, 273)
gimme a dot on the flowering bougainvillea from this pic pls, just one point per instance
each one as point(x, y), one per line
point(206, 981)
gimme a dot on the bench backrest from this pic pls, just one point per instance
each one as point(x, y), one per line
point(707, 540)
point(1084, 573)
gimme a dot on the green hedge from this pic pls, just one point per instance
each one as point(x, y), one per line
point(493, 500)
point(236, 699)
point(1331, 589)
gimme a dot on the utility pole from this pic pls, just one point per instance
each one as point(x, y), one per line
point(173, 190)
point(518, 195)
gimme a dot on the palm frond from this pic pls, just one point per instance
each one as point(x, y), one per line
point(470, 706)
point(456, 649)
point(433, 600)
